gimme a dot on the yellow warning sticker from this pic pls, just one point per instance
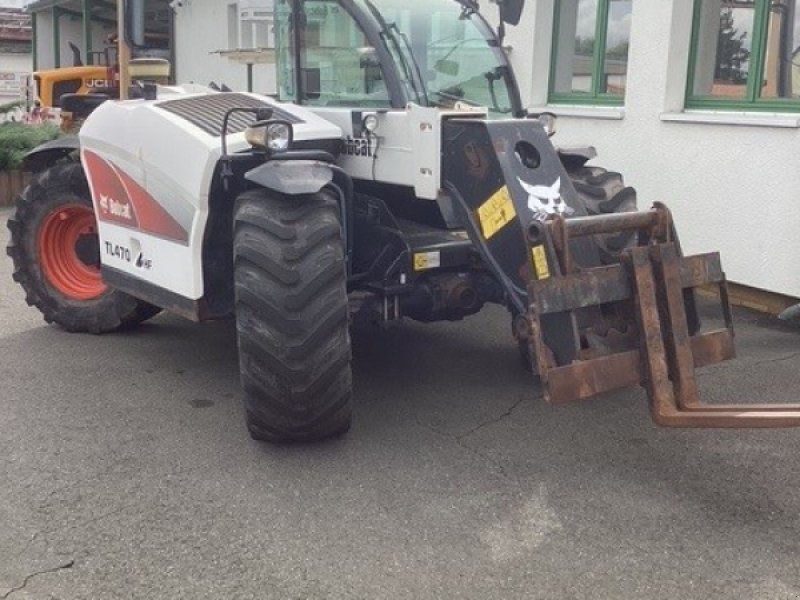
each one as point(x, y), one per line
point(496, 212)
point(427, 260)
point(540, 266)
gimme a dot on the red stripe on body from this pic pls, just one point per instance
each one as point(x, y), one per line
point(119, 199)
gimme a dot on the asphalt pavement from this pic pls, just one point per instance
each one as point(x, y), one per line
point(126, 472)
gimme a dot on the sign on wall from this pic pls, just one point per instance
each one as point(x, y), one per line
point(12, 83)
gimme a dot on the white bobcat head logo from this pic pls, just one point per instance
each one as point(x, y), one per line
point(545, 200)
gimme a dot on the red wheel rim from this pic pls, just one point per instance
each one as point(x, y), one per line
point(61, 264)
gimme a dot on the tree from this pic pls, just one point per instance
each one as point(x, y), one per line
point(732, 56)
point(620, 51)
point(584, 46)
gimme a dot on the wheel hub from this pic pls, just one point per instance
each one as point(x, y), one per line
point(69, 252)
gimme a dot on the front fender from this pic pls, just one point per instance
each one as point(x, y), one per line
point(292, 177)
point(48, 153)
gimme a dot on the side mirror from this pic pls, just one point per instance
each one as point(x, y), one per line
point(134, 23)
point(547, 119)
point(511, 11)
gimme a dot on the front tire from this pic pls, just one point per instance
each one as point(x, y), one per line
point(292, 316)
point(56, 253)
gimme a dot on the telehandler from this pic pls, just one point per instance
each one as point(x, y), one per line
point(397, 175)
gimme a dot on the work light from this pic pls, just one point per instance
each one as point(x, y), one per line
point(271, 135)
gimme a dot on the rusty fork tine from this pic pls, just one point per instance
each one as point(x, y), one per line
point(675, 403)
point(731, 419)
point(666, 267)
point(653, 354)
point(746, 408)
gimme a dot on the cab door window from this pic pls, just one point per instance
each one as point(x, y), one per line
point(338, 67)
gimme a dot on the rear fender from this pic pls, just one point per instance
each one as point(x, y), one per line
point(44, 155)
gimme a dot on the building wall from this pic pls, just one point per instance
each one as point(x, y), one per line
point(203, 27)
point(14, 68)
point(71, 30)
point(731, 184)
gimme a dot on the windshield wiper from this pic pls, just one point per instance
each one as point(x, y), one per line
point(391, 32)
point(421, 90)
point(455, 95)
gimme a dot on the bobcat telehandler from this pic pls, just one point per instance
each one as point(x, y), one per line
point(397, 176)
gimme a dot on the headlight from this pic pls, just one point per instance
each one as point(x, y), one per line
point(548, 121)
point(274, 136)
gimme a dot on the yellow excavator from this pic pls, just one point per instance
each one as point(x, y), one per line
point(52, 84)
point(58, 88)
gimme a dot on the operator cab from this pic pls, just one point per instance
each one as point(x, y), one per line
point(385, 54)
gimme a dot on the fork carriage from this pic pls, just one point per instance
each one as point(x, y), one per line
point(666, 347)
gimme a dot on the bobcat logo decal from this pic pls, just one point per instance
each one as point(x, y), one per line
point(546, 200)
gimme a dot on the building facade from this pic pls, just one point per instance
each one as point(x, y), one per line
point(706, 117)
point(15, 52)
point(70, 31)
point(228, 43)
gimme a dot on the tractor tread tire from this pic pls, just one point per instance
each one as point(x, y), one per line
point(604, 192)
point(292, 316)
point(115, 310)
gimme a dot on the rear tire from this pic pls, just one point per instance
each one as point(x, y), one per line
point(292, 316)
point(604, 192)
point(56, 254)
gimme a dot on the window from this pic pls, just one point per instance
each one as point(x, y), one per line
point(338, 67)
point(250, 25)
point(745, 55)
point(449, 51)
point(233, 26)
point(590, 51)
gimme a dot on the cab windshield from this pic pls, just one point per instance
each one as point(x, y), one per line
point(443, 54)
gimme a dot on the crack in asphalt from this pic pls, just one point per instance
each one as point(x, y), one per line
point(458, 441)
point(739, 364)
point(60, 527)
point(458, 438)
point(778, 359)
point(67, 565)
point(497, 419)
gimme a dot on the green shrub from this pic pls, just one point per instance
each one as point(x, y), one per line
point(17, 139)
